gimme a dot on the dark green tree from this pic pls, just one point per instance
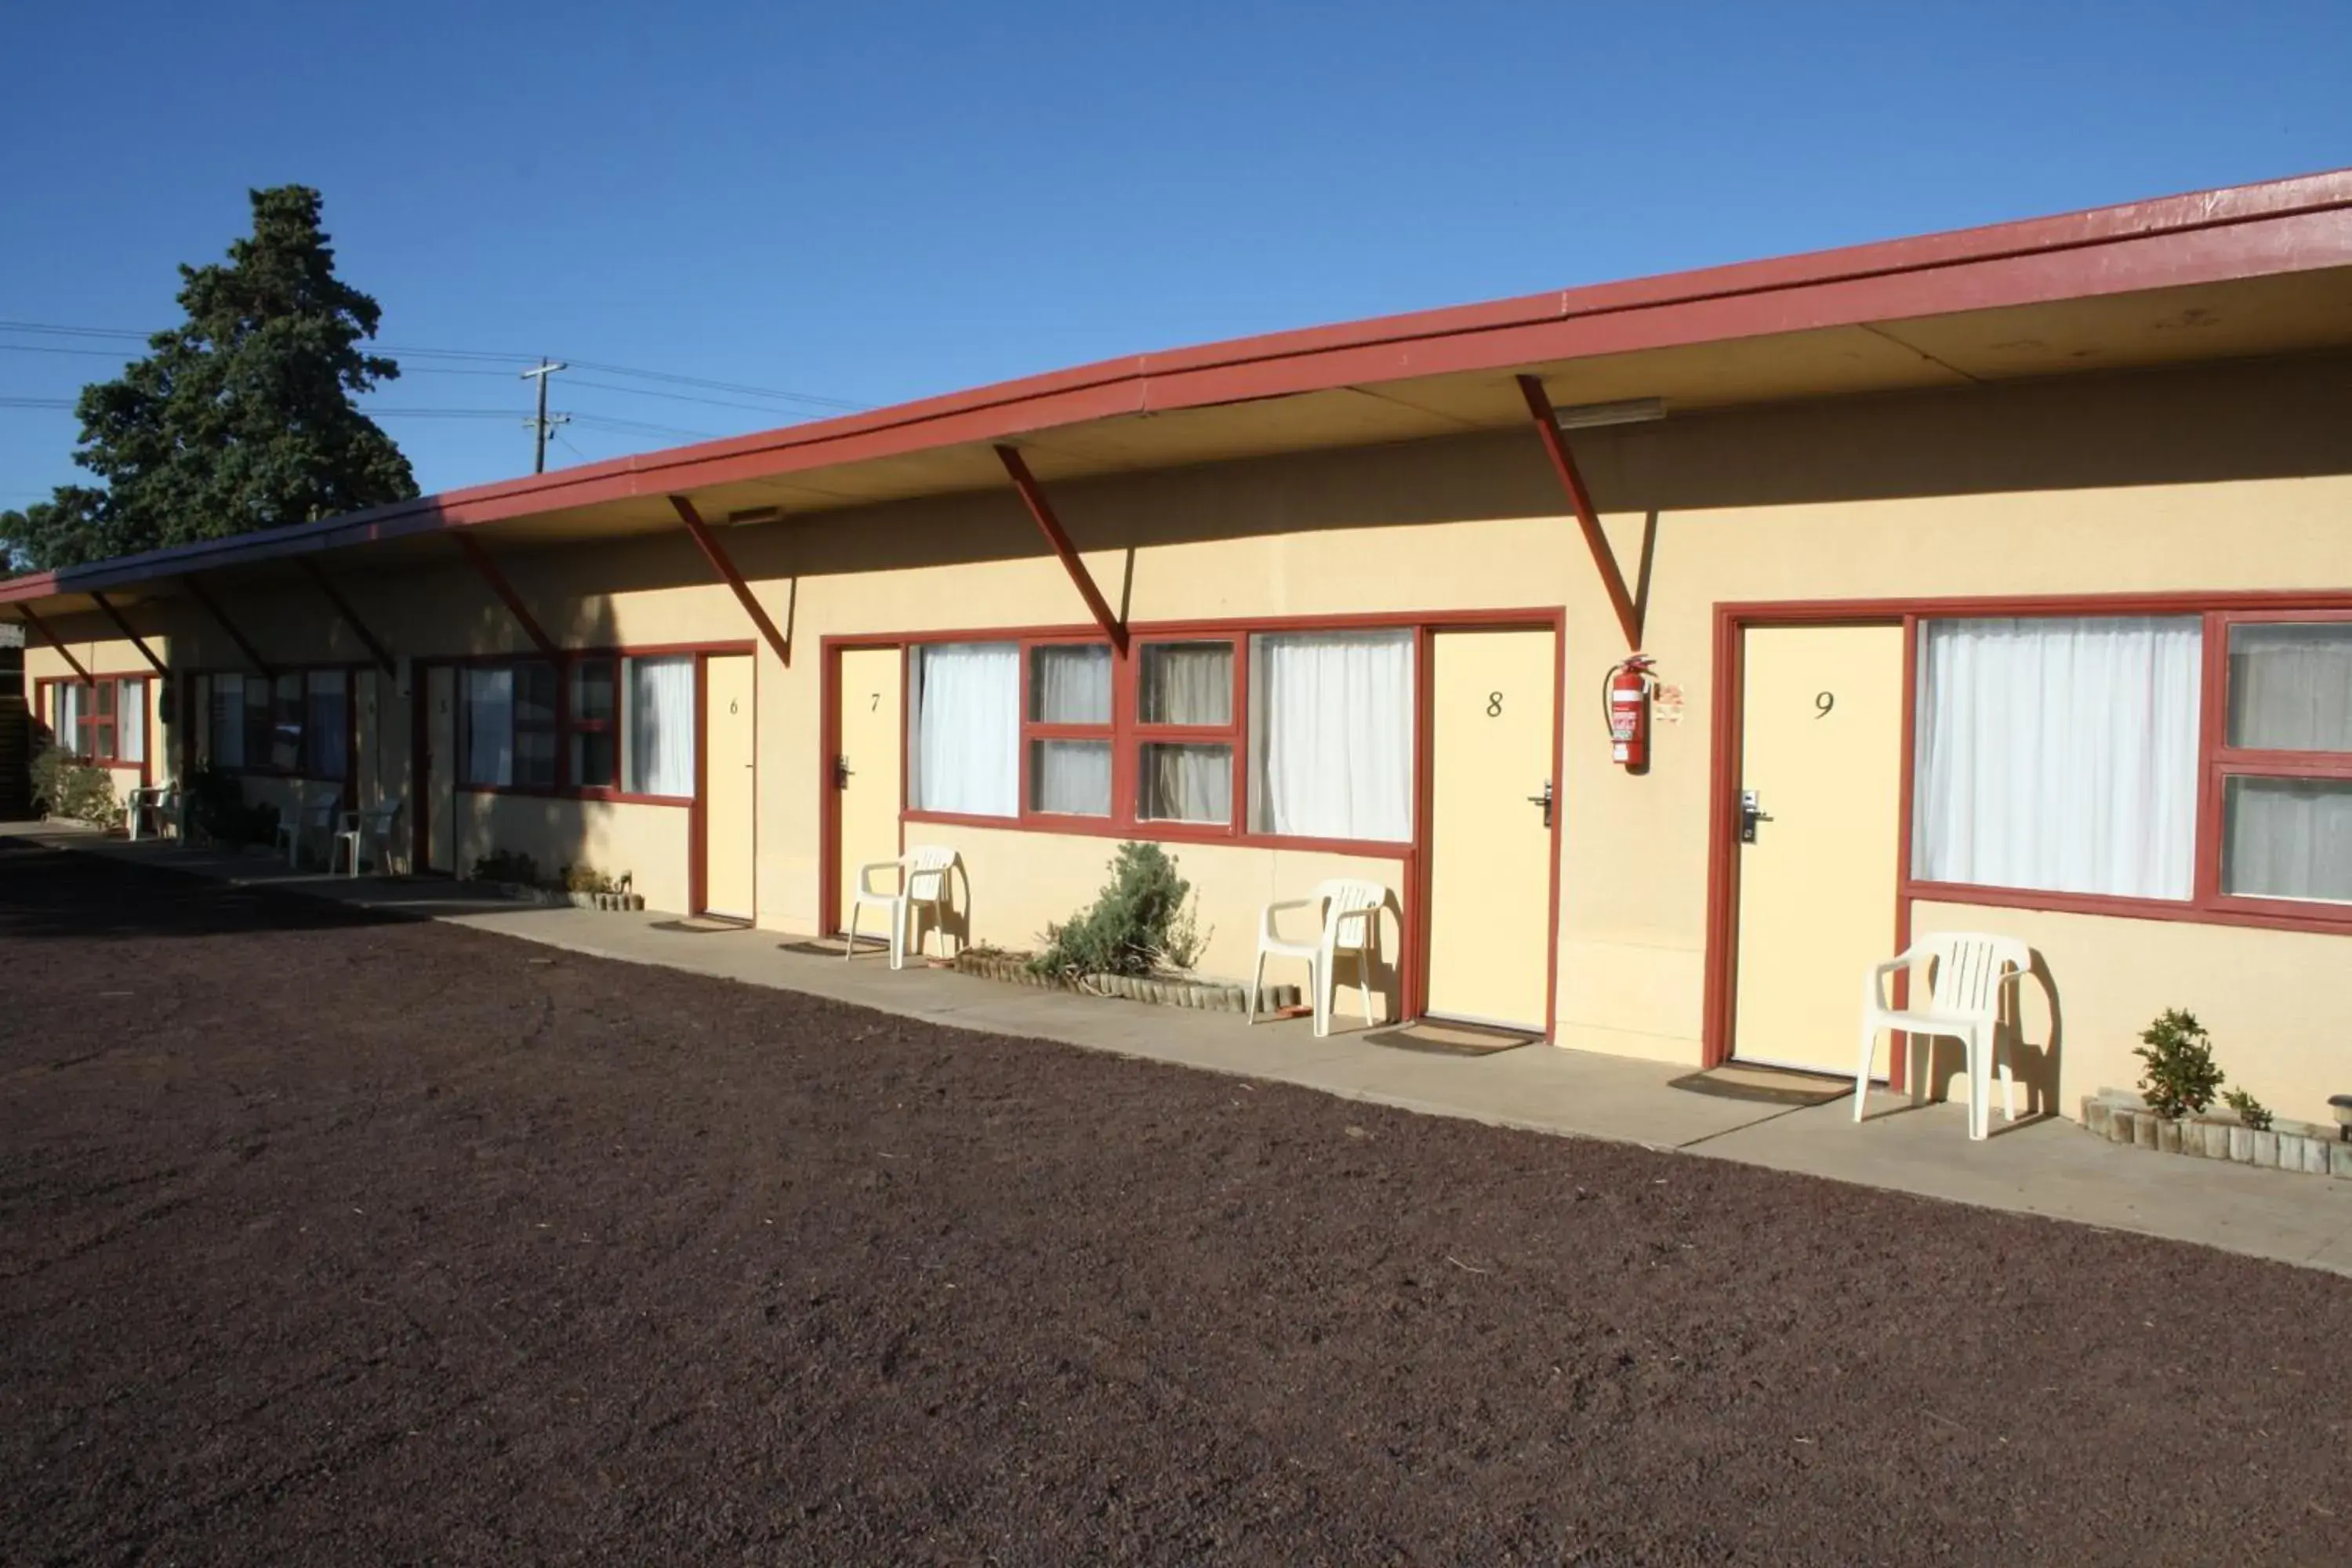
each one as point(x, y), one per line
point(241, 417)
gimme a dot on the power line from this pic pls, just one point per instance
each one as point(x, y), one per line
point(605, 421)
point(58, 349)
point(36, 403)
point(688, 397)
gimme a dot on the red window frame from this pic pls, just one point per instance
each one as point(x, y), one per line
point(97, 737)
point(1034, 730)
point(1128, 734)
point(574, 725)
point(2223, 762)
point(259, 721)
point(567, 724)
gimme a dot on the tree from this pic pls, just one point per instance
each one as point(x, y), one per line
point(240, 418)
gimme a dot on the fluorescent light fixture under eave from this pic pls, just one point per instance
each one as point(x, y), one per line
point(1630, 411)
point(743, 515)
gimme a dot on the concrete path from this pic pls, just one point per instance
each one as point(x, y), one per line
point(2050, 1167)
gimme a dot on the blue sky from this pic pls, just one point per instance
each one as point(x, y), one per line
point(873, 202)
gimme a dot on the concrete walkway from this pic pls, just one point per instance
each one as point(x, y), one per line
point(2050, 1167)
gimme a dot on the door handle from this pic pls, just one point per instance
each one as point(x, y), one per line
point(841, 772)
point(1752, 812)
point(1543, 800)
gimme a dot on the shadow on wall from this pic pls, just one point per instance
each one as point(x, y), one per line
point(1936, 1066)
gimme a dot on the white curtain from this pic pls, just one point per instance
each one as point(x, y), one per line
point(2291, 687)
point(2289, 839)
point(131, 722)
point(660, 724)
point(1070, 777)
point(965, 733)
point(1185, 784)
point(2059, 754)
point(1186, 683)
point(1332, 735)
point(65, 723)
point(1069, 684)
point(489, 726)
point(229, 720)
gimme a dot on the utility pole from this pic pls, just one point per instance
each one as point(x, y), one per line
point(543, 427)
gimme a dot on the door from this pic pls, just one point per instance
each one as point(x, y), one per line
point(440, 803)
point(729, 781)
point(866, 697)
point(1822, 752)
point(1490, 850)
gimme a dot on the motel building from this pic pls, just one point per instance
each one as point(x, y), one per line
point(1996, 581)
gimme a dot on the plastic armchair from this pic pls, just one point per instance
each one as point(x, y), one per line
point(1352, 925)
point(157, 804)
point(923, 876)
point(1969, 973)
point(370, 828)
point(313, 814)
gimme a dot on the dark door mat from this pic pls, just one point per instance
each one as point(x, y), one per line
point(833, 946)
point(1765, 1086)
point(1438, 1036)
point(702, 925)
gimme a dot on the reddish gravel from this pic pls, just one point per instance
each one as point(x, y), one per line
point(330, 1240)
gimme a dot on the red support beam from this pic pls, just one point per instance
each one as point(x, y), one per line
point(708, 542)
point(1563, 464)
point(124, 627)
point(344, 608)
point(50, 638)
point(506, 594)
point(211, 608)
point(1035, 499)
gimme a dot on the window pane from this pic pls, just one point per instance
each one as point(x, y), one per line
point(592, 691)
point(256, 721)
point(534, 694)
point(285, 724)
point(327, 728)
point(1070, 777)
point(1186, 683)
point(102, 699)
point(660, 726)
point(2291, 687)
point(1185, 784)
point(2059, 754)
point(1332, 735)
point(489, 727)
point(534, 758)
point(1069, 686)
point(65, 717)
point(594, 758)
point(964, 730)
point(130, 722)
point(2288, 839)
point(227, 721)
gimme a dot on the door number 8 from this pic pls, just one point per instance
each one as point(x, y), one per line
point(1494, 705)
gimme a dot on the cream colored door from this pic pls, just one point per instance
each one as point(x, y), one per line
point(440, 803)
point(1822, 752)
point(866, 773)
point(1490, 837)
point(729, 785)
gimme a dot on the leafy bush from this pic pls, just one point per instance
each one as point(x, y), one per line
point(1139, 923)
point(507, 866)
point(588, 879)
point(2251, 1111)
point(64, 787)
point(217, 810)
point(2182, 1076)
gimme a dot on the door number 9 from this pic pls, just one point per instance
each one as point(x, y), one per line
point(1822, 702)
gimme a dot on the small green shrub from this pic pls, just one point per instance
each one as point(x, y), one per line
point(1139, 923)
point(2182, 1076)
point(64, 787)
point(507, 866)
point(2251, 1111)
point(588, 879)
point(218, 811)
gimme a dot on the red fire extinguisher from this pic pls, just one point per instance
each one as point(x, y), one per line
point(1627, 697)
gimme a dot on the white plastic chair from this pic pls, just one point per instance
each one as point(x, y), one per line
point(370, 827)
point(923, 876)
point(1970, 971)
point(157, 804)
point(313, 814)
point(1352, 925)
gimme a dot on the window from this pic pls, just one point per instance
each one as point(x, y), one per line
point(1331, 735)
point(326, 723)
point(226, 720)
point(296, 723)
point(964, 728)
point(2059, 754)
point(1068, 730)
point(592, 723)
point(660, 725)
point(104, 721)
point(507, 730)
point(2284, 767)
point(1184, 713)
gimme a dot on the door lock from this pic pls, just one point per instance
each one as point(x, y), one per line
point(1752, 812)
point(1543, 800)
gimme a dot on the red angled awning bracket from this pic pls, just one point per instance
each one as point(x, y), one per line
point(506, 594)
point(721, 563)
point(1035, 499)
point(211, 608)
point(124, 627)
point(1563, 464)
point(318, 574)
point(50, 638)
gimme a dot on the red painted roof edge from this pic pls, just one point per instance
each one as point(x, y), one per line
point(1126, 385)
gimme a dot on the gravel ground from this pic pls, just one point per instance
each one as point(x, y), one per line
point(328, 1239)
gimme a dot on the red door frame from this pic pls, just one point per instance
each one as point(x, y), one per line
point(698, 815)
point(828, 861)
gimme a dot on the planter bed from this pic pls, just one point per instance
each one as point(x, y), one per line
point(2305, 1146)
point(1169, 991)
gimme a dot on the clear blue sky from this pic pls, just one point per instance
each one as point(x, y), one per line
point(871, 203)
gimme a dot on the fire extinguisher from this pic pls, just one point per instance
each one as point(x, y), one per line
point(1625, 698)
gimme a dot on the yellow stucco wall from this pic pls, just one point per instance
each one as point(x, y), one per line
point(2229, 477)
